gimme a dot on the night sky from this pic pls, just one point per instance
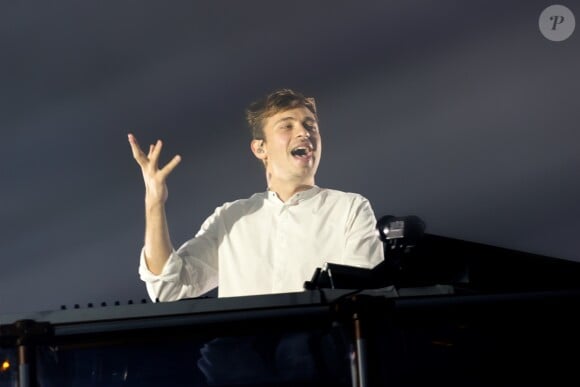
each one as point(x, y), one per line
point(461, 113)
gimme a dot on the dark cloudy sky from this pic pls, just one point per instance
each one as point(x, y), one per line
point(459, 112)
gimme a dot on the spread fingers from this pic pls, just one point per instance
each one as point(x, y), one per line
point(166, 170)
point(138, 154)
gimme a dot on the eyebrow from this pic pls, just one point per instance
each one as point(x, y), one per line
point(309, 119)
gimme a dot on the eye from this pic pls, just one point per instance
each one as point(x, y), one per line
point(311, 127)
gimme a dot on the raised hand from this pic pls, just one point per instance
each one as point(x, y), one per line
point(153, 176)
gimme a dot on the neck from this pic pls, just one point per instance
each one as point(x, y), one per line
point(285, 190)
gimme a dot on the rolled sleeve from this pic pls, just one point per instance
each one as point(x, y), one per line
point(189, 272)
point(165, 286)
point(170, 272)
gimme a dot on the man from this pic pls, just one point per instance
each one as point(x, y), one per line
point(271, 242)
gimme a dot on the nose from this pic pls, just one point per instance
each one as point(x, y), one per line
point(302, 131)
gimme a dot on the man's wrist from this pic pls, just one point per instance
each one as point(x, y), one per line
point(154, 204)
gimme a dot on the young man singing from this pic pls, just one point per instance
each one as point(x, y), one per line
point(272, 241)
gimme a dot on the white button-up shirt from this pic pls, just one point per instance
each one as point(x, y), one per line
point(262, 245)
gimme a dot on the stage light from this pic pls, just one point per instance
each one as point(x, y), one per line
point(400, 236)
point(400, 232)
point(5, 366)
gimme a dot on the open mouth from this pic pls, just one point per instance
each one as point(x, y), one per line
point(301, 152)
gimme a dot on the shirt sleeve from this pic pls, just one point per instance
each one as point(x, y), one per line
point(363, 248)
point(190, 271)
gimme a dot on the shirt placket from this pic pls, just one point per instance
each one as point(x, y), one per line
point(281, 248)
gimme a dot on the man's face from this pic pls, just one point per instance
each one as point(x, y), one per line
point(292, 147)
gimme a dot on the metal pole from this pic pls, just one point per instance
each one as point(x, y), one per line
point(360, 353)
point(24, 366)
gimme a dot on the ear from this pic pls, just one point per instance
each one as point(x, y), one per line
point(258, 149)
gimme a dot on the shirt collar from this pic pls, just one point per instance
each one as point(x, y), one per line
point(296, 198)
